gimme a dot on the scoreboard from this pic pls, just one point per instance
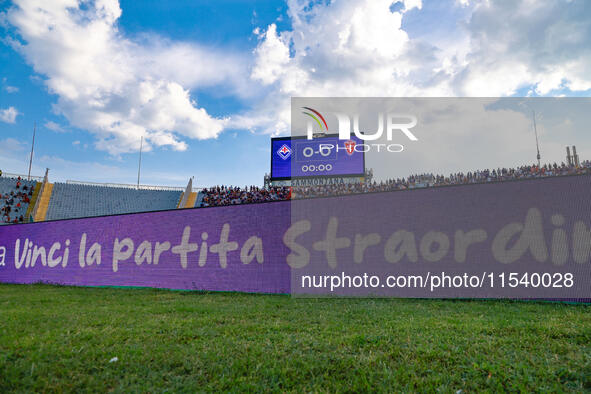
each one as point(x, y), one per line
point(327, 156)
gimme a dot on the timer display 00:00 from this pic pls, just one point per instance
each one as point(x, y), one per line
point(317, 168)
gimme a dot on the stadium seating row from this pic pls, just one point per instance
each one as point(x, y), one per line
point(15, 197)
point(75, 200)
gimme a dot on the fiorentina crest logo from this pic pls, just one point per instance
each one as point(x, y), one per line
point(350, 147)
point(284, 152)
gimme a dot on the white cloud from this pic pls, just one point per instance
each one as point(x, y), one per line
point(119, 88)
point(11, 89)
point(540, 43)
point(360, 48)
point(272, 56)
point(51, 125)
point(346, 48)
point(8, 115)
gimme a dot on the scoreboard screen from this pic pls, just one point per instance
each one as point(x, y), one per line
point(299, 157)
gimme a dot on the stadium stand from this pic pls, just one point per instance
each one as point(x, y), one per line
point(223, 195)
point(77, 200)
point(15, 197)
point(431, 180)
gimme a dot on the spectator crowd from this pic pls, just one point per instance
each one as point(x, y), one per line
point(14, 204)
point(223, 195)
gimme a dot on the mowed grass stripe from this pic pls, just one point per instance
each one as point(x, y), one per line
point(61, 339)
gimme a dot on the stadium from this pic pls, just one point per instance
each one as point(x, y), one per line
point(390, 244)
point(429, 325)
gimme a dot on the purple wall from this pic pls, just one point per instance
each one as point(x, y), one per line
point(538, 226)
point(264, 221)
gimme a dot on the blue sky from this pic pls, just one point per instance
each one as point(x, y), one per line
point(208, 83)
point(228, 24)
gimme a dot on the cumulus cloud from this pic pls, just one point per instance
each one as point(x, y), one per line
point(8, 115)
point(360, 48)
point(272, 56)
point(539, 43)
point(341, 48)
point(346, 48)
point(116, 87)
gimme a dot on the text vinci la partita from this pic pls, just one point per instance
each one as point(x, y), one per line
point(509, 244)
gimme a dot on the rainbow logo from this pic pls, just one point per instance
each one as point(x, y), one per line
point(315, 115)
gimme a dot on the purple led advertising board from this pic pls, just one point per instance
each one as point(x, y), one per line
point(204, 249)
point(514, 239)
point(297, 157)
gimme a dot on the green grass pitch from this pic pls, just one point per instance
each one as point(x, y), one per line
point(62, 339)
